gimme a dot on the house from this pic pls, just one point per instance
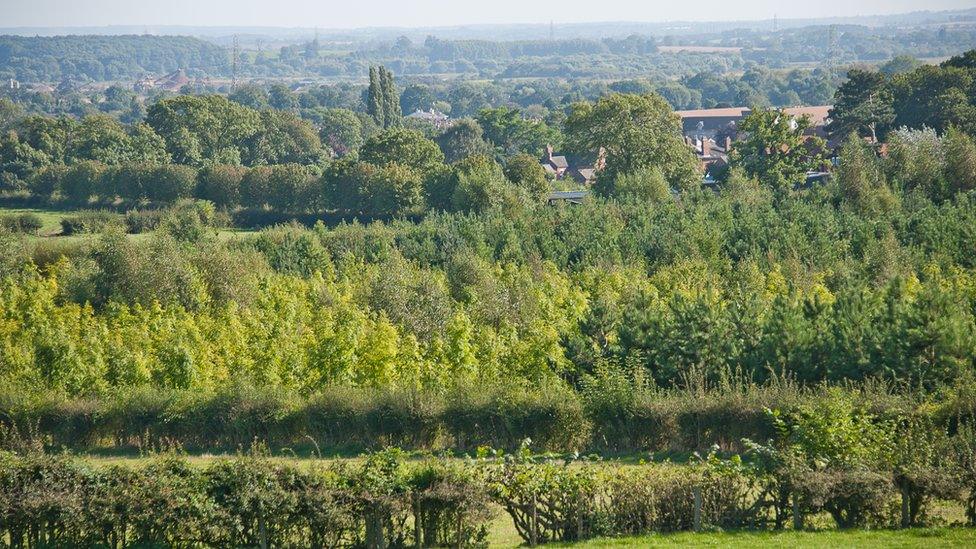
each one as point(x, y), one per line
point(559, 167)
point(144, 84)
point(433, 117)
point(41, 88)
point(584, 176)
point(712, 155)
point(172, 82)
point(68, 85)
point(553, 164)
point(709, 122)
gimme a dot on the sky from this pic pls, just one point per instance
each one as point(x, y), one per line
point(329, 14)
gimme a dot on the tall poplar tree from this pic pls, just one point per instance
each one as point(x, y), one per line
point(374, 98)
point(382, 100)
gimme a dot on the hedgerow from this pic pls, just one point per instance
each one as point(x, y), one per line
point(384, 499)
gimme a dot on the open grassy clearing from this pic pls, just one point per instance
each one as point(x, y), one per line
point(50, 218)
point(51, 228)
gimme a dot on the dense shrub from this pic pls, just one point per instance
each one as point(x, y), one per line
point(553, 418)
point(142, 221)
point(48, 180)
point(81, 181)
point(854, 498)
point(89, 221)
point(28, 223)
point(220, 185)
point(662, 499)
point(355, 418)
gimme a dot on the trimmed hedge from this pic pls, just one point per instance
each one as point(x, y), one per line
point(246, 502)
point(383, 500)
point(340, 418)
point(554, 418)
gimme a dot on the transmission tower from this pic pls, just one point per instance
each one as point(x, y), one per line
point(233, 67)
point(832, 50)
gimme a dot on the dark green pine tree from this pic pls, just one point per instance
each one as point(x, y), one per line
point(375, 105)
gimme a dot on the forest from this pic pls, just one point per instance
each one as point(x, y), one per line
point(47, 59)
point(641, 52)
point(440, 262)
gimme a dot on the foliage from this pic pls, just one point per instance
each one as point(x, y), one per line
point(402, 146)
point(863, 105)
point(632, 133)
point(461, 140)
point(526, 173)
point(382, 99)
point(28, 223)
point(776, 150)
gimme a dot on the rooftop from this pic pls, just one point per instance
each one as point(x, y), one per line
point(432, 114)
point(818, 114)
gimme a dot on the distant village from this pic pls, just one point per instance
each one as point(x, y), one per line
point(711, 133)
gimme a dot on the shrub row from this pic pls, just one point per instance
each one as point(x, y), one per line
point(343, 418)
point(247, 502)
point(89, 221)
point(383, 500)
point(140, 221)
point(338, 418)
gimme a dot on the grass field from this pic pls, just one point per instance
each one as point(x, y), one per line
point(50, 218)
point(887, 539)
point(51, 227)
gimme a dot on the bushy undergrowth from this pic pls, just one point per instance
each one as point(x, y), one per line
point(89, 221)
point(28, 223)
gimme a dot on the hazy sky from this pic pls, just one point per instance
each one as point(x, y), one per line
point(414, 13)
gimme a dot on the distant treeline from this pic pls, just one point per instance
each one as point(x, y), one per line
point(45, 59)
point(121, 57)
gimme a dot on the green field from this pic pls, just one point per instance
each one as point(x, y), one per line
point(51, 228)
point(887, 539)
point(50, 218)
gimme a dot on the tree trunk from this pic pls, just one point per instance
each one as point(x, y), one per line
point(262, 527)
point(797, 513)
point(374, 531)
point(697, 524)
point(418, 527)
point(534, 526)
point(906, 509)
